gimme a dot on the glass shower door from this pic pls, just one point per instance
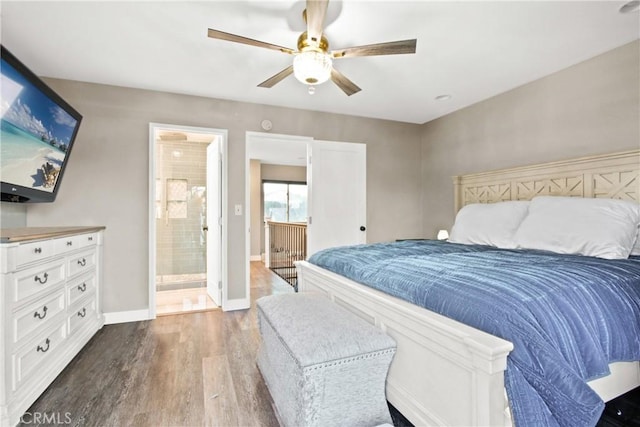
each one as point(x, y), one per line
point(181, 255)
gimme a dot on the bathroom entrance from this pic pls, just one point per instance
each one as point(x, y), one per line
point(187, 219)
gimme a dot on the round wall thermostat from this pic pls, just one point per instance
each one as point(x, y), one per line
point(266, 124)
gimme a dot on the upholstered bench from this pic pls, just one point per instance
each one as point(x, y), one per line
point(323, 365)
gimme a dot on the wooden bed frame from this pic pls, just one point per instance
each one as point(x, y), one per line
point(445, 372)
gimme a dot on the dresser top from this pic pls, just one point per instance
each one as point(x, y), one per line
point(26, 234)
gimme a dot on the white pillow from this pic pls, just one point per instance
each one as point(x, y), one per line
point(492, 224)
point(603, 228)
point(636, 247)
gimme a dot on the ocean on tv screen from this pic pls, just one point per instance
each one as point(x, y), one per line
point(27, 160)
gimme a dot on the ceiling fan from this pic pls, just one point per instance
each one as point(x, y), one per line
point(313, 62)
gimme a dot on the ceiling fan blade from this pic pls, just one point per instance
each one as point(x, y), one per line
point(344, 83)
point(272, 81)
point(390, 48)
point(221, 35)
point(315, 13)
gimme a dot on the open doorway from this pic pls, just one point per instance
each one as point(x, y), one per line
point(187, 195)
point(277, 175)
point(335, 175)
point(284, 240)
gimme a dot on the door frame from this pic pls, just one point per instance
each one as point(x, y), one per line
point(213, 221)
point(223, 135)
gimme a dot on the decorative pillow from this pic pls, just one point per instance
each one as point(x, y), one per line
point(492, 224)
point(603, 228)
point(636, 246)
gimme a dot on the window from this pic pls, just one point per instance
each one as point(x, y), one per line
point(285, 201)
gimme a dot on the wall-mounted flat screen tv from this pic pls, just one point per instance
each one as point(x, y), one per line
point(38, 129)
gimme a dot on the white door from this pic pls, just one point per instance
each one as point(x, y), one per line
point(214, 222)
point(337, 202)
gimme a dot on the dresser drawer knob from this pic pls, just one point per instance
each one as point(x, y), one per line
point(43, 315)
point(42, 349)
point(38, 250)
point(69, 243)
point(82, 287)
point(90, 238)
point(82, 262)
point(82, 312)
point(41, 281)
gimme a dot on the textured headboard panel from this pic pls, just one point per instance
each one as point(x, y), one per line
point(613, 176)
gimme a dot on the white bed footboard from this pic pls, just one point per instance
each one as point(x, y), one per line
point(444, 372)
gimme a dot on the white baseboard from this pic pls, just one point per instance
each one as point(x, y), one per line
point(256, 258)
point(236, 304)
point(126, 316)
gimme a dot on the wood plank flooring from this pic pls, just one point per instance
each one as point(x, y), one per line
point(184, 370)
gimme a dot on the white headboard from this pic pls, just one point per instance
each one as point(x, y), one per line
point(613, 176)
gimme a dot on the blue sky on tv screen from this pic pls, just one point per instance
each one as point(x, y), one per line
point(26, 107)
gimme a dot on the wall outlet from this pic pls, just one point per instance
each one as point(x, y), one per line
point(238, 209)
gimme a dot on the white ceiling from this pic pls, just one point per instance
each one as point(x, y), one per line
point(470, 50)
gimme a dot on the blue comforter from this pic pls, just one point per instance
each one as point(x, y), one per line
point(568, 316)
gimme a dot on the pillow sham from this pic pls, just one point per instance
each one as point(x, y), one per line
point(603, 228)
point(491, 224)
point(636, 246)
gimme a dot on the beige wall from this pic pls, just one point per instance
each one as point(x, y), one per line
point(106, 182)
point(13, 215)
point(284, 173)
point(590, 108)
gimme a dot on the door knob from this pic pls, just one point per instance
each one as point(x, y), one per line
point(362, 228)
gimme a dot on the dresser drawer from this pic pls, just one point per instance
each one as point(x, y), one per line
point(32, 319)
point(31, 252)
point(80, 287)
point(27, 360)
point(72, 243)
point(81, 262)
point(38, 279)
point(82, 315)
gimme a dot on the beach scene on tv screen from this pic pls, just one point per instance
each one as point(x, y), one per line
point(35, 133)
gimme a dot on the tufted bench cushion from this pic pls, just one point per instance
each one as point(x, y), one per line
point(323, 365)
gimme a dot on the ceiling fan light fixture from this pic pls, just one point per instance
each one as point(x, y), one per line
point(312, 67)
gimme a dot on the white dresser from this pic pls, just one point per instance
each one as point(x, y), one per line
point(50, 282)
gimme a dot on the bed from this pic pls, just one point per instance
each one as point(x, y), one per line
point(448, 373)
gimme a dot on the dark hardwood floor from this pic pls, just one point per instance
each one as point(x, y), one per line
point(184, 370)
